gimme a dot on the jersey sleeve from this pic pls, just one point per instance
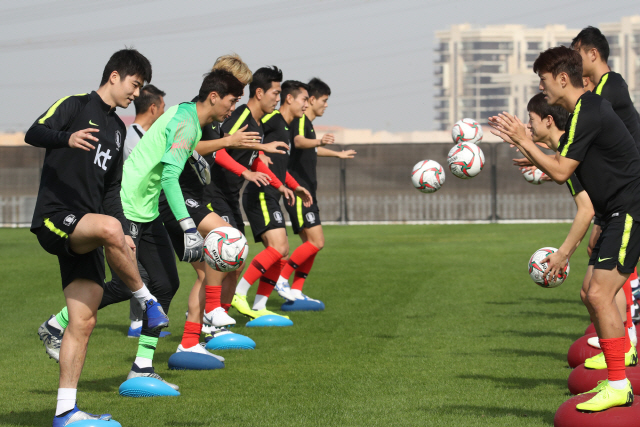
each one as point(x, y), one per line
point(226, 161)
point(584, 128)
point(235, 122)
point(291, 181)
point(574, 185)
point(171, 186)
point(182, 134)
point(50, 129)
point(259, 166)
point(297, 128)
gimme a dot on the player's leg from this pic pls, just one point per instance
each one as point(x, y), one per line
point(277, 239)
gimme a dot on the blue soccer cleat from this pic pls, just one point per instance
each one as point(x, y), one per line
point(135, 333)
point(303, 303)
point(75, 415)
point(155, 315)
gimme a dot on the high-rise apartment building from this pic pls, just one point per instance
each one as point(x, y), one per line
point(480, 72)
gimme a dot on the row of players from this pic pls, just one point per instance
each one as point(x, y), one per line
point(92, 203)
point(595, 132)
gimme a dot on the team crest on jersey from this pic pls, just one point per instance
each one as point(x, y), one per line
point(225, 219)
point(133, 229)
point(191, 203)
point(311, 217)
point(118, 140)
point(69, 220)
point(277, 215)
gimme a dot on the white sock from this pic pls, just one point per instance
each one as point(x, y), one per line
point(632, 334)
point(66, 400)
point(135, 324)
point(618, 385)
point(142, 295)
point(260, 303)
point(53, 322)
point(143, 362)
point(243, 287)
point(296, 293)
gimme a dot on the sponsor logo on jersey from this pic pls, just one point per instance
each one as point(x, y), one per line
point(311, 217)
point(69, 220)
point(277, 215)
point(102, 157)
point(225, 219)
point(118, 140)
point(133, 229)
point(191, 203)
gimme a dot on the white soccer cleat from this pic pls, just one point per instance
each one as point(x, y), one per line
point(198, 348)
point(594, 342)
point(283, 289)
point(218, 317)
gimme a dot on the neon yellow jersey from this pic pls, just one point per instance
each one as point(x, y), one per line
point(170, 140)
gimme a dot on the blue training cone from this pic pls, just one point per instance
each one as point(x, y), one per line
point(302, 305)
point(269, 320)
point(97, 423)
point(146, 387)
point(186, 360)
point(230, 341)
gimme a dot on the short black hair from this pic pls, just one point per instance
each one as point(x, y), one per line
point(591, 37)
point(558, 60)
point(127, 62)
point(149, 95)
point(222, 82)
point(541, 107)
point(318, 88)
point(263, 77)
point(293, 88)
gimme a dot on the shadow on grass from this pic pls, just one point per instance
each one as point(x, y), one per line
point(584, 317)
point(542, 334)
point(386, 336)
point(554, 301)
point(187, 423)
point(530, 353)
point(122, 328)
point(103, 384)
point(496, 412)
point(503, 302)
point(516, 382)
point(28, 418)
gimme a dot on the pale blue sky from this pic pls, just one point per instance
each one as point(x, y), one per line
point(375, 54)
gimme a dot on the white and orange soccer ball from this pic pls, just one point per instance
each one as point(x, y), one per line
point(465, 160)
point(225, 248)
point(537, 269)
point(534, 177)
point(427, 176)
point(467, 130)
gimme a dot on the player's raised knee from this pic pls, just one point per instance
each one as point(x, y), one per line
point(111, 232)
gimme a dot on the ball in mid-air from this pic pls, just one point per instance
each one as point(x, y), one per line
point(537, 269)
point(225, 248)
point(467, 130)
point(465, 160)
point(534, 177)
point(427, 176)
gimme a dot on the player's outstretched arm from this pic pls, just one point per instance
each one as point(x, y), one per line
point(305, 143)
point(344, 154)
point(299, 190)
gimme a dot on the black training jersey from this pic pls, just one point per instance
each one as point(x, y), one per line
point(226, 183)
point(275, 129)
point(609, 166)
point(74, 179)
point(614, 89)
point(574, 185)
point(302, 163)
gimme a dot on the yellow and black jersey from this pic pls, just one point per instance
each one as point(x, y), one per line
point(302, 163)
point(614, 89)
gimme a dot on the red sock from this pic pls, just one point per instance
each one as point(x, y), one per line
point(261, 263)
point(613, 349)
point(269, 279)
point(226, 307)
point(191, 334)
point(213, 297)
point(299, 257)
point(302, 273)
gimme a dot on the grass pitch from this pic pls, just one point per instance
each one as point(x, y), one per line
point(425, 325)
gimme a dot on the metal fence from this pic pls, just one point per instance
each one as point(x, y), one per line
point(375, 186)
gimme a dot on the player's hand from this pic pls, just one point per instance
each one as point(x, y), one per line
point(258, 178)
point(265, 159)
point(275, 147)
point(81, 139)
point(512, 127)
point(130, 242)
point(522, 163)
point(304, 195)
point(497, 130)
point(545, 177)
point(201, 168)
point(556, 262)
point(326, 139)
point(243, 140)
point(193, 241)
point(289, 197)
point(346, 154)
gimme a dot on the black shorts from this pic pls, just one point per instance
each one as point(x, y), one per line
point(302, 217)
point(263, 212)
point(228, 211)
point(618, 245)
point(54, 238)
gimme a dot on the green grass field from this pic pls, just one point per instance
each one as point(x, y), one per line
point(425, 325)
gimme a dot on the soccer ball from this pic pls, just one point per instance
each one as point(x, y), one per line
point(465, 160)
point(534, 177)
point(427, 176)
point(537, 268)
point(225, 248)
point(467, 130)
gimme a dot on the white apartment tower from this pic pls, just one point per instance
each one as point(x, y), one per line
point(480, 72)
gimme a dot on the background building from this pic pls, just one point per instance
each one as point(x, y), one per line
point(480, 72)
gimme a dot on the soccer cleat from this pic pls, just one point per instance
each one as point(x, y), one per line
point(601, 385)
point(598, 361)
point(135, 333)
point(77, 415)
point(239, 302)
point(608, 397)
point(595, 341)
point(150, 373)
point(218, 317)
point(265, 312)
point(51, 338)
point(156, 319)
point(283, 289)
point(198, 348)
point(303, 297)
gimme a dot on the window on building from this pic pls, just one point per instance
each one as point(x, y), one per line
point(534, 46)
point(495, 91)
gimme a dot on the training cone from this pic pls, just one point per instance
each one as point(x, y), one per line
point(581, 351)
point(97, 423)
point(269, 320)
point(230, 341)
point(302, 305)
point(582, 379)
point(568, 416)
point(185, 360)
point(146, 387)
point(591, 329)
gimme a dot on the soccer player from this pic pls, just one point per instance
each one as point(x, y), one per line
point(603, 155)
point(305, 220)
point(262, 205)
point(82, 169)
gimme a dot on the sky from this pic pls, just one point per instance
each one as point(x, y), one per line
point(377, 55)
